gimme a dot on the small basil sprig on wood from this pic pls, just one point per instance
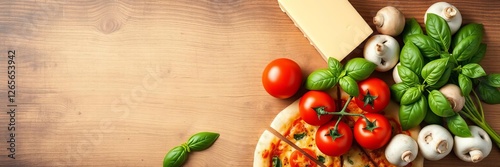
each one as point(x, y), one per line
point(356, 69)
point(198, 142)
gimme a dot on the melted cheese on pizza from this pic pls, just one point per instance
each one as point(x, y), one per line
point(355, 157)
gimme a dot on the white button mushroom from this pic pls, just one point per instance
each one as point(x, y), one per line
point(454, 95)
point(395, 74)
point(434, 142)
point(401, 150)
point(383, 50)
point(475, 148)
point(448, 12)
point(389, 21)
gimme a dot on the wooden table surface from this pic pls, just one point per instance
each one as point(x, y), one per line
point(119, 83)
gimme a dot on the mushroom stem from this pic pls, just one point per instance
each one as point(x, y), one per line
point(378, 20)
point(442, 146)
point(428, 138)
point(476, 155)
point(449, 13)
point(379, 48)
point(406, 156)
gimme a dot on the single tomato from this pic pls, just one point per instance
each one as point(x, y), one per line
point(282, 78)
point(313, 102)
point(374, 95)
point(297, 159)
point(331, 143)
point(372, 136)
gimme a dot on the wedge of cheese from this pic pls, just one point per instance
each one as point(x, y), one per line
point(333, 27)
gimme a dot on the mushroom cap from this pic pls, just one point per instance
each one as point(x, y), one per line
point(443, 9)
point(395, 74)
point(389, 21)
point(383, 50)
point(435, 142)
point(401, 150)
point(474, 148)
point(454, 95)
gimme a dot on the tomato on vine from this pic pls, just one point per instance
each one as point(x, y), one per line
point(314, 105)
point(331, 142)
point(374, 95)
point(373, 132)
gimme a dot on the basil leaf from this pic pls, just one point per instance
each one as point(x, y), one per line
point(468, 30)
point(299, 136)
point(488, 93)
point(466, 48)
point(428, 47)
point(359, 68)
point(398, 90)
point(444, 78)
point(412, 115)
point(439, 104)
point(410, 57)
point(465, 84)
point(493, 80)
point(321, 79)
point(432, 118)
point(202, 140)
point(458, 126)
point(411, 96)
point(349, 86)
point(334, 66)
point(175, 157)
point(433, 71)
point(321, 159)
point(479, 55)
point(276, 162)
point(411, 27)
point(437, 28)
point(473, 70)
point(407, 76)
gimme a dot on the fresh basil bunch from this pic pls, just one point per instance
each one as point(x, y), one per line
point(198, 142)
point(428, 62)
point(355, 69)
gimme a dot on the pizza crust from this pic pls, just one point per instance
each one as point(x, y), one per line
point(266, 143)
point(283, 121)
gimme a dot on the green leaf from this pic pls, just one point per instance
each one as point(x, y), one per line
point(488, 93)
point(458, 126)
point(428, 47)
point(411, 95)
point(334, 66)
point(321, 79)
point(412, 115)
point(465, 84)
point(359, 68)
point(468, 30)
point(202, 140)
point(439, 104)
point(411, 27)
point(473, 70)
point(276, 161)
point(444, 79)
point(432, 118)
point(433, 71)
point(411, 58)
point(398, 90)
point(493, 80)
point(175, 157)
point(299, 136)
point(349, 86)
point(479, 55)
point(438, 29)
point(466, 48)
point(407, 76)
point(321, 159)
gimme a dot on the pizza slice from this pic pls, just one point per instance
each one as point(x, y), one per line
point(355, 157)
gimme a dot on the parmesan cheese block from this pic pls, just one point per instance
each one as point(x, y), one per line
point(333, 27)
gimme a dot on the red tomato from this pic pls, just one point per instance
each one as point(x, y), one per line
point(315, 99)
point(375, 138)
point(334, 147)
point(297, 159)
point(282, 78)
point(374, 95)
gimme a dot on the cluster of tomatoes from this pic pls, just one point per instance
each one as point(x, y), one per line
point(282, 78)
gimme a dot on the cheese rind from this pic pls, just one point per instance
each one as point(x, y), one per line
point(333, 27)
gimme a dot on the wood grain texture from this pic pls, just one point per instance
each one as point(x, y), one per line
point(119, 83)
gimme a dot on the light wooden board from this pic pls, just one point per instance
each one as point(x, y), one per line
point(119, 83)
